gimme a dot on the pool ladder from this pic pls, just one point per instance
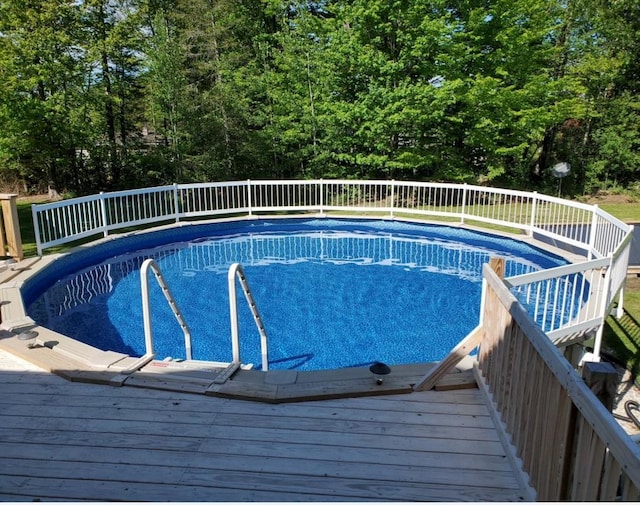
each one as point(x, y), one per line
point(235, 270)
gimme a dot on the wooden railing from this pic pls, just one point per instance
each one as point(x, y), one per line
point(569, 443)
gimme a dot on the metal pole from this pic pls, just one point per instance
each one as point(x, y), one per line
point(233, 311)
point(236, 270)
point(146, 308)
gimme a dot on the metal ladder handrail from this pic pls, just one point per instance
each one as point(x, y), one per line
point(236, 270)
point(146, 307)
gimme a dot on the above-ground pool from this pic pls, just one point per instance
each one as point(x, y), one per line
point(331, 292)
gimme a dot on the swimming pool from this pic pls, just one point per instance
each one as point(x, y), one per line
point(332, 292)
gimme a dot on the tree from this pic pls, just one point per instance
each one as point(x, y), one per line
point(611, 69)
point(40, 83)
point(297, 82)
point(112, 44)
point(493, 91)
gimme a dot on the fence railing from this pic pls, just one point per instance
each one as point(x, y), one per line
point(586, 227)
point(566, 299)
point(572, 225)
point(568, 442)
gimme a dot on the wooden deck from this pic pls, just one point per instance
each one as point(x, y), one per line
point(70, 441)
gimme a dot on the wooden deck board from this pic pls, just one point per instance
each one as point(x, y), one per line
point(12, 395)
point(69, 441)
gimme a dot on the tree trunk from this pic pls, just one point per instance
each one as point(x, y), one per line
point(312, 107)
point(223, 110)
point(110, 120)
point(109, 113)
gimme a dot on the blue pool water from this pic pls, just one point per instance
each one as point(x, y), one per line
point(331, 292)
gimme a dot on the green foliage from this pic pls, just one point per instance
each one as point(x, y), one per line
point(107, 94)
point(617, 140)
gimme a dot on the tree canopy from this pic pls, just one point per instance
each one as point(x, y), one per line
point(111, 94)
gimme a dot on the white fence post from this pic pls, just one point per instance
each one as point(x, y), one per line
point(322, 197)
point(592, 231)
point(464, 203)
point(36, 229)
point(249, 199)
point(393, 193)
point(176, 201)
point(103, 214)
point(597, 343)
point(620, 307)
point(534, 208)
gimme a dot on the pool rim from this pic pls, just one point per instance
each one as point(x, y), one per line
point(19, 320)
point(152, 242)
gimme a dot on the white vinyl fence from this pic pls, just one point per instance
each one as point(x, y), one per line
point(602, 239)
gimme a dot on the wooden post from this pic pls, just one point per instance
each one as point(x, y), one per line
point(468, 344)
point(573, 354)
point(498, 266)
point(602, 379)
point(3, 241)
point(11, 226)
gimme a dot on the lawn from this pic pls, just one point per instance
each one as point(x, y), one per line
point(26, 227)
point(627, 212)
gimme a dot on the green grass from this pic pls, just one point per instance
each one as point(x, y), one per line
point(627, 212)
point(26, 229)
point(621, 338)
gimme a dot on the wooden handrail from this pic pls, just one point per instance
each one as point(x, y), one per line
point(568, 442)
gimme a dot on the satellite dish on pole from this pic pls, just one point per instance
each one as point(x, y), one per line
point(560, 170)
